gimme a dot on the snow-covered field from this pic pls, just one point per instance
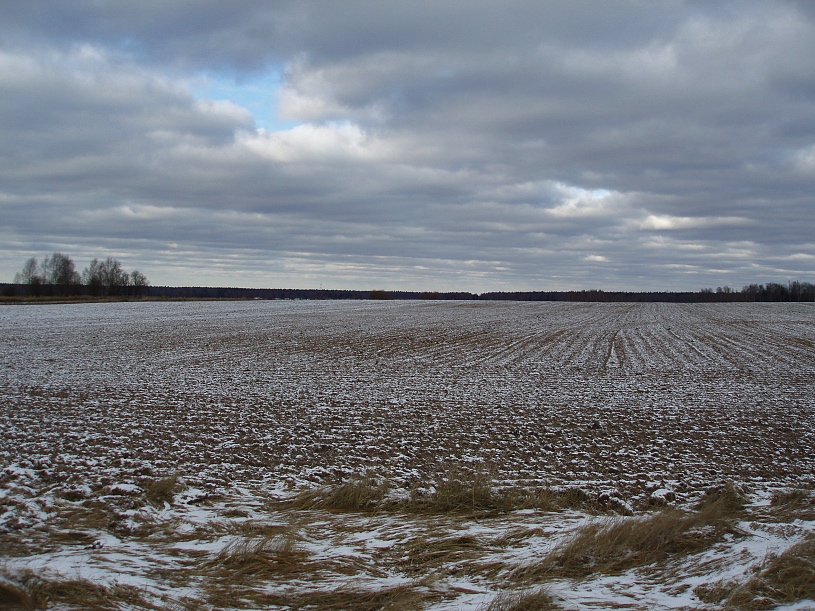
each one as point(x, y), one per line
point(149, 452)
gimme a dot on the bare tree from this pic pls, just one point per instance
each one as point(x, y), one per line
point(138, 281)
point(31, 276)
point(106, 277)
point(92, 278)
point(59, 271)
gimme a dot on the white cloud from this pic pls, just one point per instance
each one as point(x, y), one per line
point(649, 135)
point(577, 202)
point(804, 160)
point(313, 142)
point(665, 222)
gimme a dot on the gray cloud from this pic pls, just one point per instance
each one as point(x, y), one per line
point(476, 146)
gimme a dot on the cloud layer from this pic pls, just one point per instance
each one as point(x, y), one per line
point(449, 146)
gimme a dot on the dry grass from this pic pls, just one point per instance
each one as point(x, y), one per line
point(537, 600)
point(787, 578)
point(364, 494)
point(233, 576)
point(161, 491)
point(30, 592)
point(722, 501)
point(476, 493)
point(265, 557)
point(617, 545)
point(716, 592)
point(459, 493)
point(425, 555)
point(23, 591)
point(406, 597)
point(794, 504)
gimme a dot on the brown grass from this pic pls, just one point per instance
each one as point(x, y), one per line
point(476, 493)
point(407, 597)
point(726, 500)
point(264, 557)
point(716, 592)
point(537, 600)
point(617, 545)
point(364, 494)
point(794, 504)
point(161, 491)
point(84, 594)
point(30, 592)
point(24, 591)
point(425, 555)
point(787, 578)
point(461, 493)
point(458, 494)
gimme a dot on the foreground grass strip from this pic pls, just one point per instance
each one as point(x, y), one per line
point(617, 545)
point(787, 578)
point(538, 600)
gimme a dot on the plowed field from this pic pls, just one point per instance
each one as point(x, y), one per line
point(252, 402)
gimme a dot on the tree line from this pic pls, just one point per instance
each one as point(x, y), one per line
point(772, 291)
point(57, 275)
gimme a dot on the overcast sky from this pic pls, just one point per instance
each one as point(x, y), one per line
point(421, 145)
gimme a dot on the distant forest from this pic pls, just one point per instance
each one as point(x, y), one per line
point(797, 292)
point(56, 276)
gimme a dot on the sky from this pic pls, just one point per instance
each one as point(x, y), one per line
point(381, 144)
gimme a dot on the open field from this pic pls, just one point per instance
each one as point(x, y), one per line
point(404, 455)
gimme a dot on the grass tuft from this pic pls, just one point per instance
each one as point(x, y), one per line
point(459, 493)
point(161, 490)
point(22, 592)
point(405, 597)
point(424, 556)
point(619, 544)
point(793, 504)
point(537, 600)
point(721, 502)
point(716, 592)
point(787, 578)
point(30, 592)
point(262, 557)
point(476, 493)
point(364, 494)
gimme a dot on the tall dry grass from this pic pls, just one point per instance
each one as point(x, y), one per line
point(160, 491)
point(404, 597)
point(796, 504)
point(258, 558)
point(460, 493)
point(787, 578)
point(537, 600)
point(22, 591)
point(616, 545)
point(30, 592)
point(425, 555)
point(364, 494)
